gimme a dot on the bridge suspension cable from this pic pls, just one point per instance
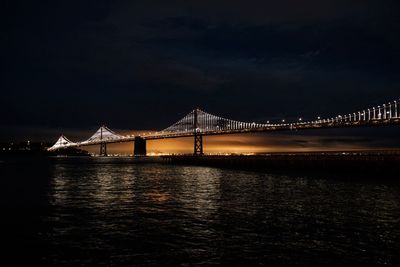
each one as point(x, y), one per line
point(62, 142)
point(102, 134)
point(207, 122)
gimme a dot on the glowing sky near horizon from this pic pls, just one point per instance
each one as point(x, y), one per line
point(257, 143)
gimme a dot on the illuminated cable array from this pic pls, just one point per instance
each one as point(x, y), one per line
point(207, 122)
point(386, 111)
point(103, 134)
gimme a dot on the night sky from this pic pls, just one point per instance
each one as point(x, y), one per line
point(69, 66)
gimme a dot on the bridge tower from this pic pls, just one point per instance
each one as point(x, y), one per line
point(103, 149)
point(103, 145)
point(198, 137)
point(140, 146)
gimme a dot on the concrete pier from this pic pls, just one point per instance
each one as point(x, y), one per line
point(140, 147)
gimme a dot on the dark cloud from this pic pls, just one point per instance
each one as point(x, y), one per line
point(172, 74)
point(254, 12)
point(143, 64)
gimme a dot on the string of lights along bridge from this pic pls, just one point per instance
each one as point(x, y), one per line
point(199, 123)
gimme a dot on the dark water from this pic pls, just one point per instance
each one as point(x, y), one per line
point(115, 212)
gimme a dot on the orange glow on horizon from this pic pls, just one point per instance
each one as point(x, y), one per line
point(244, 143)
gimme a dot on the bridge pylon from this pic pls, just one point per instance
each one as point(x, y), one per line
point(139, 146)
point(103, 145)
point(198, 145)
point(198, 137)
point(103, 149)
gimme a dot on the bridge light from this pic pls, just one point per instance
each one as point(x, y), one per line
point(283, 120)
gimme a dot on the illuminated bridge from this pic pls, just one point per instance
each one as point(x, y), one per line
point(199, 123)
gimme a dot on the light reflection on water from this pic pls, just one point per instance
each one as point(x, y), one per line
point(119, 212)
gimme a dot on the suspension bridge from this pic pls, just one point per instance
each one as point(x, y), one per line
point(199, 123)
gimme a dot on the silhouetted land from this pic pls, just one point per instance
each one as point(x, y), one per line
point(35, 149)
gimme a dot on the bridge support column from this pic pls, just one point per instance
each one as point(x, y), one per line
point(198, 137)
point(103, 149)
point(198, 145)
point(140, 147)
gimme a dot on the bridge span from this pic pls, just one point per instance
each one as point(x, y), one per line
point(199, 123)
